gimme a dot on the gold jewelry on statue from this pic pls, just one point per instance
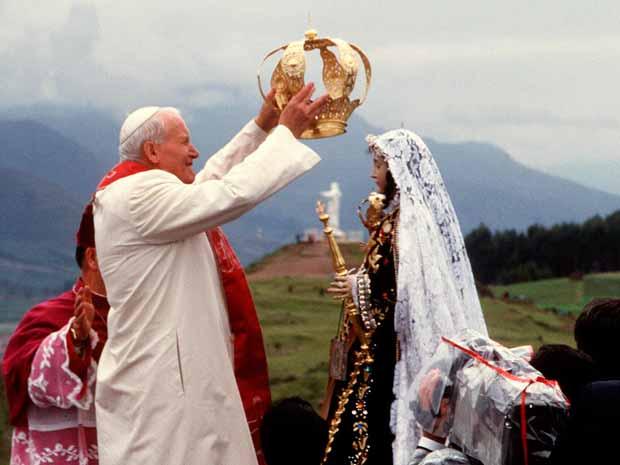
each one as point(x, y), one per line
point(339, 76)
point(349, 307)
point(374, 213)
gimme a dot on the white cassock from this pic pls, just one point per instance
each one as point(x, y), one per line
point(166, 390)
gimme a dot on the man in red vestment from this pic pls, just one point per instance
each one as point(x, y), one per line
point(49, 367)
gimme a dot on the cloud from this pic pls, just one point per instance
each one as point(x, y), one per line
point(55, 63)
point(506, 115)
point(496, 50)
point(521, 75)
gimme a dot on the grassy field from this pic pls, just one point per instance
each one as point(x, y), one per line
point(565, 295)
point(298, 322)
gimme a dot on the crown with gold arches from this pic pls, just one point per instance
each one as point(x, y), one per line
point(339, 77)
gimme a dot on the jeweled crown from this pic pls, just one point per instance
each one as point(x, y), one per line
point(339, 76)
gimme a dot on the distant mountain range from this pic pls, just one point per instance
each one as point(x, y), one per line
point(597, 174)
point(37, 224)
point(52, 157)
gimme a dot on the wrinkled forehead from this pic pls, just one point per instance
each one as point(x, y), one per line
point(174, 124)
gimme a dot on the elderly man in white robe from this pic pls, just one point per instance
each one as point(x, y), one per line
point(166, 390)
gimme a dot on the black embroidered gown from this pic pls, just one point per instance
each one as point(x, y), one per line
point(363, 435)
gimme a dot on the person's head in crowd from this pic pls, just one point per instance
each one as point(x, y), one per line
point(293, 433)
point(597, 331)
point(570, 367)
point(86, 253)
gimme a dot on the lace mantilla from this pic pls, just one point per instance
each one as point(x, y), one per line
point(436, 290)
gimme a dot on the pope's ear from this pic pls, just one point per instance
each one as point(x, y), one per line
point(150, 152)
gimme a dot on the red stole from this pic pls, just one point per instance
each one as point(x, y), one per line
point(249, 352)
point(38, 323)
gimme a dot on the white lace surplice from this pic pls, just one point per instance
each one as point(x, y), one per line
point(436, 290)
point(61, 416)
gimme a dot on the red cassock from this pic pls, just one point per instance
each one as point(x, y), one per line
point(250, 360)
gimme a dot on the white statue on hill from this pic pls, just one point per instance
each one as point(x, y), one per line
point(332, 200)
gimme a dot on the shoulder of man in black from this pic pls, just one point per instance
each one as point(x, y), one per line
point(592, 426)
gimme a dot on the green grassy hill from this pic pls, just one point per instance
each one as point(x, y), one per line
point(564, 295)
point(299, 320)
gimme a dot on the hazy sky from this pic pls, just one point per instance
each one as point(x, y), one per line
point(539, 78)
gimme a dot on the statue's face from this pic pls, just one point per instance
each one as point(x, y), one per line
point(379, 172)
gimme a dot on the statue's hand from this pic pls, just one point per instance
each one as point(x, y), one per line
point(320, 208)
point(340, 288)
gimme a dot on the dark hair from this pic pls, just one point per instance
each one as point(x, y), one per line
point(597, 331)
point(80, 252)
point(571, 368)
point(293, 433)
point(390, 188)
point(390, 185)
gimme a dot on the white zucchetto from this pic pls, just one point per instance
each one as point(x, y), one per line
point(135, 121)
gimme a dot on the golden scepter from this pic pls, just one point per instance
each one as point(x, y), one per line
point(349, 315)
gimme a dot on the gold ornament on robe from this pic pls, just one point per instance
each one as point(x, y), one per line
point(339, 77)
point(374, 213)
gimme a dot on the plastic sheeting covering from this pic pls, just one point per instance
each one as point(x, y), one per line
point(446, 457)
point(490, 402)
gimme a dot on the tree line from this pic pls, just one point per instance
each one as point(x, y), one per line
point(509, 256)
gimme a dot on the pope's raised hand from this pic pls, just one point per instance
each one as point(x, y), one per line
point(301, 111)
point(269, 113)
point(84, 313)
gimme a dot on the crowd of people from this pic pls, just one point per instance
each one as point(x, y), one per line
point(156, 354)
point(588, 377)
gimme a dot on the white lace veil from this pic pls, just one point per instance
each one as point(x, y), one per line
point(436, 290)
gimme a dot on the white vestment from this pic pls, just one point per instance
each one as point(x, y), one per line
point(166, 390)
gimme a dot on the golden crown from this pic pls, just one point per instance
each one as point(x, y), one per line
point(339, 76)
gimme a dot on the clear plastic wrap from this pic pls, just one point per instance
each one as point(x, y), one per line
point(446, 456)
point(525, 352)
point(489, 401)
